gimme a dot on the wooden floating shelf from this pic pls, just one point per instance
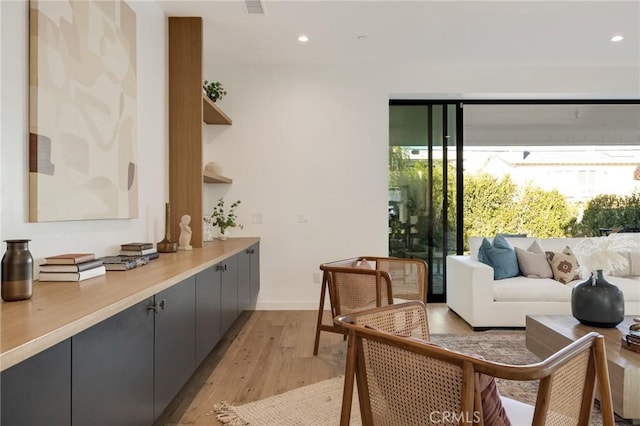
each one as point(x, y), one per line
point(209, 177)
point(211, 114)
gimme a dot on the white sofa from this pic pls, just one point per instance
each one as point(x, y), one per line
point(483, 302)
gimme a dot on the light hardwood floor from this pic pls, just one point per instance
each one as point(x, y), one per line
point(269, 352)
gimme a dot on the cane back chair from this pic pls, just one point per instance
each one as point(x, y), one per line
point(361, 283)
point(405, 380)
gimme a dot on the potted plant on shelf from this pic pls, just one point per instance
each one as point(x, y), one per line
point(214, 90)
point(223, 220)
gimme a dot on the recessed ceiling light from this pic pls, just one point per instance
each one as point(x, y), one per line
point(303, 38)
point(617, 37)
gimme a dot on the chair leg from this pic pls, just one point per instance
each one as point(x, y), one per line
point(320, 313)
point(347, 393)
point(602, 371)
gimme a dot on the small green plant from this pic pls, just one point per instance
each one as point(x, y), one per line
point(221, 219)
point(214, 90)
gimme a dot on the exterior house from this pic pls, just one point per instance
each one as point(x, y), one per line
point(579, 173)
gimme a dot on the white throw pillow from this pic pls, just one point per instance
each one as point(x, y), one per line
point(533, 262)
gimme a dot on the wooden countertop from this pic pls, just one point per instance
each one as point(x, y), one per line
point(59, 310)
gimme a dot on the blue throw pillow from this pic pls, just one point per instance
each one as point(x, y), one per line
point(501, 256)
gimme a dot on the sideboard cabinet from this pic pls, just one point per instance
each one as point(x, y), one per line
point(127, 368)
point(38, 391)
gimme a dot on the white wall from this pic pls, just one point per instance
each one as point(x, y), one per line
point(315, 141)
point(304, 141)
point(102, 237)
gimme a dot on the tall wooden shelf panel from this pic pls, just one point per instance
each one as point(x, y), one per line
point(185, 124)
point(188, 109)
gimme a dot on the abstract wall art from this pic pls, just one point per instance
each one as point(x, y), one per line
point(82, 110)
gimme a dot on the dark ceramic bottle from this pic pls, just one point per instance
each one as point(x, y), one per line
point(17, 271)
point(597, 302)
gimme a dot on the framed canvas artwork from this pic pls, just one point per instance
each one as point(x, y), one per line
point(82, 110)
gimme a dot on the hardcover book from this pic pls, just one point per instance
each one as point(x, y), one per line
point(137, 252)
point(152, 256)
point(123, 263)
point(72, 276)
point(69, 258)
point(78, 267)
point(136, 246)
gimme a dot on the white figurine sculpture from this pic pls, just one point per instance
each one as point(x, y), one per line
point(184, 242)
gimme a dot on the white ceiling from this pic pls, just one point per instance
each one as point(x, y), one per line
point(405, 32)
point(500, 33)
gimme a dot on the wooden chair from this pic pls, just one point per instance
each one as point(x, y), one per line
point(351, 288)
point(408, 276)
point(405, 380)
point(361, 283)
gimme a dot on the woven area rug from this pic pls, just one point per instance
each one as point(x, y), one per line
point(319, 404)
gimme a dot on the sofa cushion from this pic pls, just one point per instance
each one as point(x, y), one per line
point(533, 262)
point(518, 410)
point(501, 256)
point(630, 287)
point(564, 265)
point(626, 269)
point(558, 244)
point(523, 289)
point(634, 262)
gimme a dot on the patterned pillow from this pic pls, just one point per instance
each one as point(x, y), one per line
point(533, 262)
point(564, 265)
point(500, 256)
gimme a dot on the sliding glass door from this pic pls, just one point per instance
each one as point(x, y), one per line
point(537, 168)
point(423, 174)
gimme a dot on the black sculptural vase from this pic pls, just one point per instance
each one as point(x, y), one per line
point(597, 302)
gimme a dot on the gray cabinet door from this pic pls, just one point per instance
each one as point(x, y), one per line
point(248, 277)
point(174, 341)
point(229, 292)
point(112, 370)
point(255, 271)
point(207, 312)
point(244, 280)
point(38, 390)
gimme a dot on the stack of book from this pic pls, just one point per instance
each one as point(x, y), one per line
point(123, 263)
point(71, 267)
point(139, 249)
point(131, 256)
point(632, 341)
